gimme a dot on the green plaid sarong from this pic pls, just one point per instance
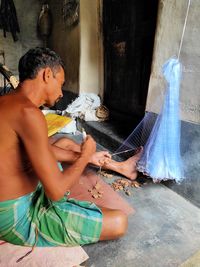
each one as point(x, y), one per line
point(34, 219)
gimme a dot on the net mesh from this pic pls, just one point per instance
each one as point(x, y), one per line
point(160, 134)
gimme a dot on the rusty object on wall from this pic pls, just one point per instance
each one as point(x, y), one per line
point(70, 12)
point(120, 48)
point(45, 23)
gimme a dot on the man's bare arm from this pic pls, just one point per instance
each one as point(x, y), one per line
point(32, 130)
point(67, 150)
point(98, 158)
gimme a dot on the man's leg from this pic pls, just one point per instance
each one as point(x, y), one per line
point(67, 144)
point(114, 225)
point(126, 168)
point(115, 222)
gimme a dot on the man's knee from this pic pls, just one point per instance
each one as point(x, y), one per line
point(64, 142)
point(121, 224)
point(114, 224)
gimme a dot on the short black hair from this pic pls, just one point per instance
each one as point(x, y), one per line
point(36, 59)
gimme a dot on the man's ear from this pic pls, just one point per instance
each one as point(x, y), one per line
point(47, 74)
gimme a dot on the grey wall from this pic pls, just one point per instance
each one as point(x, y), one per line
point(168, 36)
point(66, 41)
point(27, 12)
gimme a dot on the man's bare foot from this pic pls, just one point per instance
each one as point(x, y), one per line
point(100, 158)
point(127, 167)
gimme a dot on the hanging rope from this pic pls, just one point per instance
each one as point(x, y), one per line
point(184, 27)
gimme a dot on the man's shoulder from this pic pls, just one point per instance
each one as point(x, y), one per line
point(31, 122)
point(28, 109)
point(20, 112)
point(26, 114)
point(17, 104)
point(30, 114)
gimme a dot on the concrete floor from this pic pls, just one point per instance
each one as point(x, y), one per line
point(164, 232)
point(190, 187)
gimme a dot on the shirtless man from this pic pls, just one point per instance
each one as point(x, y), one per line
point(35, 207)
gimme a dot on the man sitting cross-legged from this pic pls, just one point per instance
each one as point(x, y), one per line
point(35, 206)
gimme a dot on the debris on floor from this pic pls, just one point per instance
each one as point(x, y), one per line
point(124, 184)
point(96, 191)
point(105, 174)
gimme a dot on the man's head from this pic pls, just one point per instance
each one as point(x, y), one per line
point(45, 69)
point(35, 60)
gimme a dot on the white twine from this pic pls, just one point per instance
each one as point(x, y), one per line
point(184, 27)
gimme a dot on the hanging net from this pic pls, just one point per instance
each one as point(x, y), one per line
point(160, 134)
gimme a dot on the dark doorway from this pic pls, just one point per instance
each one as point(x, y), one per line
point(129, 30)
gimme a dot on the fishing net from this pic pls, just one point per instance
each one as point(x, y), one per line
point(161, 159)
point(160, 134)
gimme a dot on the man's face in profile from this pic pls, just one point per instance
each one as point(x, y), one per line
point(55, 87)
point(58, 99)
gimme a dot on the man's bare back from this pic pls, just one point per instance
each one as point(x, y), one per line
point(15, 179)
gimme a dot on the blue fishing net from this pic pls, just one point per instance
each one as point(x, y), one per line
point(161, 159)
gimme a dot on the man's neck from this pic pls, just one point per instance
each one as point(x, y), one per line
point(32, 91)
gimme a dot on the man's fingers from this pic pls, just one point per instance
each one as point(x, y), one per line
point(108, 160)
point(101, 162)
point(104, 161)
point(107, 154)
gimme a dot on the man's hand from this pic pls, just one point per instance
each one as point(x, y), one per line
point(88, 147)
point(100, 158)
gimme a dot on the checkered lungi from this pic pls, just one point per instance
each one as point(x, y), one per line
point(34, 219)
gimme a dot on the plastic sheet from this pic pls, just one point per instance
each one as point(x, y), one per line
point(84, 107)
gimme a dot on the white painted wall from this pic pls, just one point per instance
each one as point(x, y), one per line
point(90, 79)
